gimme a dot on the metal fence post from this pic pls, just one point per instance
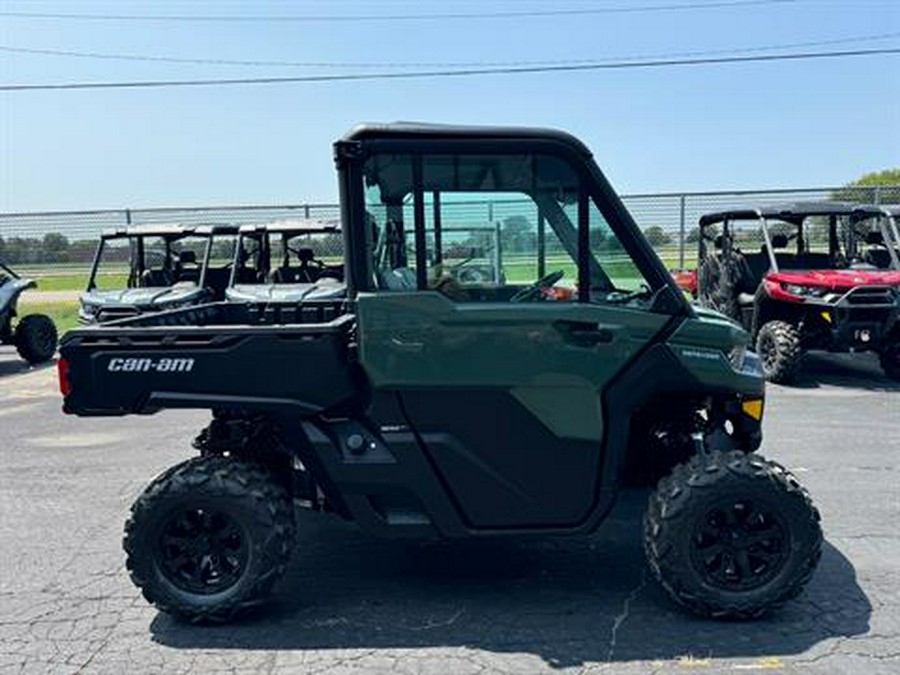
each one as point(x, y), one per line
point(306, 211)
point(542, 245)
point(876, 195)
point(498, 255)
point(681, 235)
point(128, 216)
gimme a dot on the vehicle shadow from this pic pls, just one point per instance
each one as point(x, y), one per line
point(569, 601)
point(856, 371)
point(12, 364)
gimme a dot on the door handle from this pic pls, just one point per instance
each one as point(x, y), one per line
point(593, 336)
point(585, 334)
point(406, 346)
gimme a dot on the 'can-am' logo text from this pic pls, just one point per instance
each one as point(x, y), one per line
point(146, 365)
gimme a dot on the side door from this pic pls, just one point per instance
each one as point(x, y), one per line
point(501, 375)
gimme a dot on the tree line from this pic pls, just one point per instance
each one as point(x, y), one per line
point(51, 248)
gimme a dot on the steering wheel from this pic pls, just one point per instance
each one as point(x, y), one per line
point(534, 290)
point(314, 261)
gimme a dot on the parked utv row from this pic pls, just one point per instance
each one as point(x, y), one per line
point(284, 262)
point(415, 400)
point(805, 276)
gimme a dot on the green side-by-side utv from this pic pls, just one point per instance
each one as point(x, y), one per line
point(417, 405)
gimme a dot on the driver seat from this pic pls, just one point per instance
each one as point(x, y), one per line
point(307, 273)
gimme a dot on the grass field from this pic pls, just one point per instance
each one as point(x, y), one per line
point(63, 312)
point(73, 281)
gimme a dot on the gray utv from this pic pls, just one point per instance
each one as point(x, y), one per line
point(168, 267)
point(287, 261)
point(34, 335)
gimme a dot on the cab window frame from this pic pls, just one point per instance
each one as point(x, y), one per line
point(593, 187)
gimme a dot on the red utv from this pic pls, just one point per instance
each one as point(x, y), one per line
point(806, 276)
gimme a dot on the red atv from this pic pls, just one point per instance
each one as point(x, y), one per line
point(806, 276)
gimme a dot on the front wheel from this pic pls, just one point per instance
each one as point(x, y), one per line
point(36, 338)
point(731, 535)
point(209, 537)
point(890, 361)
point(778, 346)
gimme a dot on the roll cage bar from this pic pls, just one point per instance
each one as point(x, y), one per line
point(168, 233)
point(262, 232)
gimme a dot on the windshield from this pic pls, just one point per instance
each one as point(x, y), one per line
point(289, 257)
point(869, 242)
point(494, 228)
point(152, 261)
point(845, 241)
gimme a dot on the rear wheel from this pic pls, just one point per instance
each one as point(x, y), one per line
point(731, 535)
point(209, 537)
point(778, 346)
point(890, 361)
point(36, 338)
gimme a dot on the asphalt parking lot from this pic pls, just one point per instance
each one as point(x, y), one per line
point(353, 604)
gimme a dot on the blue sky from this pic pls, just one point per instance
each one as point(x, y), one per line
point(744, 126)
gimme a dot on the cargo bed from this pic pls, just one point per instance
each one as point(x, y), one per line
point(220, 355)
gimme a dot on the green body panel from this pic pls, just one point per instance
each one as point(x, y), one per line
point(569, 412)
point(702, 344)
point(424, 340)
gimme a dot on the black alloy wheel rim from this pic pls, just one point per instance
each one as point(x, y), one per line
point(203, 551)
point(739, 545)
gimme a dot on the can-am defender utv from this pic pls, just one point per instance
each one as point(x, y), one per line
point(805, 276)
point(416, 406)
point(169, 266)
point(34, 335)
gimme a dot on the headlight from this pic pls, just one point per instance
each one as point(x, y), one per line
point(736, 357)
point(805, 291)
point(88, 309)
point(744, 360)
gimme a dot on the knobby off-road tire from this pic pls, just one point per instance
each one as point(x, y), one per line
point(731, 535)
point(778, 346)
point(890, 361)
point(209, 537)
point(36, 338)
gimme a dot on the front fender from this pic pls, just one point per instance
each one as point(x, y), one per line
point(11, 290)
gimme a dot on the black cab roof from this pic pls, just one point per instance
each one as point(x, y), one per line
point(420, 132)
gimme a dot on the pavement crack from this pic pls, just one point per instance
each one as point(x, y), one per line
point(428, 625)
point(623, 615)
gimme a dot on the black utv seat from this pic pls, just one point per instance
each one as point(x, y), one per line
point(308, 272)
point(157, 278)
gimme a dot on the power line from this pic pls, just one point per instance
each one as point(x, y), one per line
point(432, 64)
point(399, 17)
point(613, 65)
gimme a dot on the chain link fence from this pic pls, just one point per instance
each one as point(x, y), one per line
point(64, 242)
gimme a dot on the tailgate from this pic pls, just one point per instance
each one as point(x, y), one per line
point(117, 370)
